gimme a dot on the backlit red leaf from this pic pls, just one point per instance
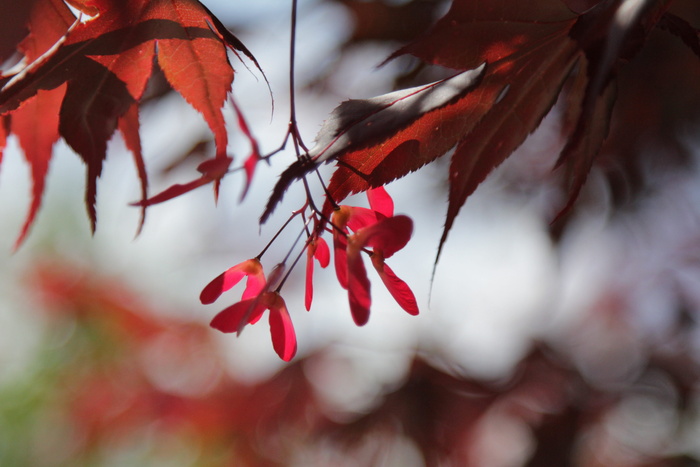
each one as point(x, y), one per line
point(195, 62)
point(212, 170)
point(380, 139)
point(36, 128)
point(529, 55)
point(254, 157)
point(36, 123)
point(106, 62)
point(129, 127)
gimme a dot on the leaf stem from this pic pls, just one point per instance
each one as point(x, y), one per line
point(293, 128)
point(294, 214)
point(298, 257)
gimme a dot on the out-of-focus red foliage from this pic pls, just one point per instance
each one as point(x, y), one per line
point(655, 116)
point(139, 369)
point(380, 20)
point(127, 368)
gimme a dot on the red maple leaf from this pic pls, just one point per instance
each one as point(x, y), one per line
point(36, 123)
point(518, 57)
point(104, 64)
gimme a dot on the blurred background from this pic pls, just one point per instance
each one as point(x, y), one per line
point(534, 347)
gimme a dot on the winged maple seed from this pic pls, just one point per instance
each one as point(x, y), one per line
point(386, 234)
point(318, 250)
point(354, 230)
point(251, 268)
point(249, 311)
point(256, 299)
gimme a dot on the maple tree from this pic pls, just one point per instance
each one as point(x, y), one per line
point(83, 77)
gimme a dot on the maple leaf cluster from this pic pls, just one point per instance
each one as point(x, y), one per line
point(515, 60)
point(84, 78)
